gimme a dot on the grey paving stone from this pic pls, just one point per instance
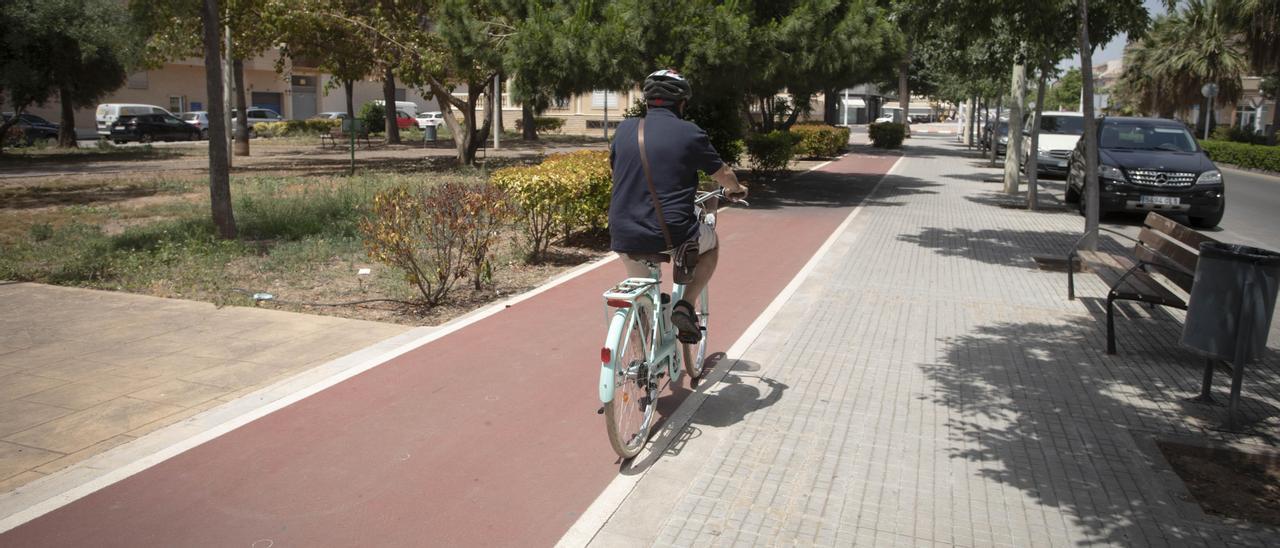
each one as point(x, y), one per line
point(940, 390)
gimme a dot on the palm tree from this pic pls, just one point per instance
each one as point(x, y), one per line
point(1197, 44)
point(1258, 22)
point(1205, 49)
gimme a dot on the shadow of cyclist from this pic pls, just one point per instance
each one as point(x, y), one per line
point(725, 402)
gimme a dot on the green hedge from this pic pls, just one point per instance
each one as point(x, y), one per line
point(1244, 155)
point(819, 140)
point(770, 153)
point(291, 128)
point(887, 135)
point(543, 124)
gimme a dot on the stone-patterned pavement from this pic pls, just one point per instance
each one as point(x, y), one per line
point(928, 385)
point(84, 371)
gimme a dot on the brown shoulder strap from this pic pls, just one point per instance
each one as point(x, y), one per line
point(653, 193)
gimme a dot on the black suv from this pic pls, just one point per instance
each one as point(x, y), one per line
point(1150, 164)
point(29, 129)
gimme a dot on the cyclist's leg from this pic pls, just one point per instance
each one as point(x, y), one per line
point(709, 245)
point(634, 268)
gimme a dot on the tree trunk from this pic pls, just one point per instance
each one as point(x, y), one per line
point(1013, 154)
point(389, 104)
point(970, 112)
point(830, 106)
point(242, 121)
point(995, 132)
point(904, 94)
point(1275, 121)
point(348, 86)
point(530, 123)
point(219, 172)
point(1033, 159)
point(67, 125)
point(496, 103)
point(1090, 137)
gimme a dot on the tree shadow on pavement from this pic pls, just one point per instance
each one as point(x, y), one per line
point(821, 189)
point(1001, 247)
point(1038, 406)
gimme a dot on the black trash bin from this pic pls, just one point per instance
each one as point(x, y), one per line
point(429, 133)
point(1229, 313)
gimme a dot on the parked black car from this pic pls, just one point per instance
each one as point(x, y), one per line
point(1150, 164)
point(29, 129)
point(999, 132)
point(152, 127)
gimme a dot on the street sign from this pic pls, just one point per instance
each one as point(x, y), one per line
point(1209, 90)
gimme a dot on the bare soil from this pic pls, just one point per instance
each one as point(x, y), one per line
point(1229, 483)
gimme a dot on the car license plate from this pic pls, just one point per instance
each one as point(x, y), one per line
point(1160, 200)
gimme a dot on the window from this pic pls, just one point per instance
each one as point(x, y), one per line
point(400, 94)
point(562, 102)
point(598, 99)
point(176, 103)
point(137, 80)
point(1065, 125)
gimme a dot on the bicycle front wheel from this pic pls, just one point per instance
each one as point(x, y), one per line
point(629, 414)
point(695, 355)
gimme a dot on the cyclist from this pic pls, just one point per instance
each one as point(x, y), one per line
point(674, 151)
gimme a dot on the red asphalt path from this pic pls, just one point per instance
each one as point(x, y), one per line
point(485, 437)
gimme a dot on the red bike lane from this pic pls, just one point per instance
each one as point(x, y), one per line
point(487, 436)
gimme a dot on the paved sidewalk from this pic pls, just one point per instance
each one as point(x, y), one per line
point(928, 385)
point(84, 371)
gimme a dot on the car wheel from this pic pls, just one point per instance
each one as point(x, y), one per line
point(204, 134)
point(1209, 221)
point(145, 138)
point(1073, 195)
point(120, 141)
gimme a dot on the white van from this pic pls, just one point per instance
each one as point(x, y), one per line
point(108, 112)
point(408, 107)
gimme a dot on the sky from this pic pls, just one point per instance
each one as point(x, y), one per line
point(1115, 48)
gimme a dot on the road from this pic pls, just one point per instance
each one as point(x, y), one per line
point(1253, 209)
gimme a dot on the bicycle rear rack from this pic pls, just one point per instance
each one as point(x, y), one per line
point(629, 289)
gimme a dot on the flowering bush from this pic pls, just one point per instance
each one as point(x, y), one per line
point(567, 191)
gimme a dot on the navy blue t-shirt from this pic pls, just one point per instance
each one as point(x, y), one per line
point(677, 151)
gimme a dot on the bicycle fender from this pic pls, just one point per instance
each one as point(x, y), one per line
point(613, 341)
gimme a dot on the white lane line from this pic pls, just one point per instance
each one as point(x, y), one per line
point(602, 509)
point(57, 490)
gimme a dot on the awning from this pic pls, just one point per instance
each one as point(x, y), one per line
point(855, 102)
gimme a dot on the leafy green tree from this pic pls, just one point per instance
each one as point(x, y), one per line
point(1064, 94)
point(76, 50)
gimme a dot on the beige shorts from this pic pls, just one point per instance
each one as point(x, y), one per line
point(707, 240)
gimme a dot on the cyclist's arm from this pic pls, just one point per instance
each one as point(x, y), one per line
point(729, 181)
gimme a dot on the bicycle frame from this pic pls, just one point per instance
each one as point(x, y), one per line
point(664, 356)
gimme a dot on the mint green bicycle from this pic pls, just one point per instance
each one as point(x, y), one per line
point(641, 349)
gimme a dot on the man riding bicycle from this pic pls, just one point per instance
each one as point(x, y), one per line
point(655, 161)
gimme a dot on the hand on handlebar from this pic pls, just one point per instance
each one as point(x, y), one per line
point(740, 196)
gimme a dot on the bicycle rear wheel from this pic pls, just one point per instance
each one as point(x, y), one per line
point(695, 355)
point(630, 414)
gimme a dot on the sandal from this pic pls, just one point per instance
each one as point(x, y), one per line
point(686, 322)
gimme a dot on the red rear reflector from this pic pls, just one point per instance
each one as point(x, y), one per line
point(606, 355)
point(619, 303)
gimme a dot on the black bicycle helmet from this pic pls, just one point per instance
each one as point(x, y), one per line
point(666, 87)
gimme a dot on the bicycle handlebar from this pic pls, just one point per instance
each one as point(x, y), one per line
point(719, 193)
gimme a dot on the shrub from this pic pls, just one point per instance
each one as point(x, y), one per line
point(1244, 155)
point(543, 124)
point(424, 234)
point(567, 191)
point(887, 135)
point(1238, 135)
point(819, 140)
point(489, 211)
point(770, 153)
point(270, 129)
point(374, 117)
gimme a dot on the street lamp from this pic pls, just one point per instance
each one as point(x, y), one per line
point(1209, 91)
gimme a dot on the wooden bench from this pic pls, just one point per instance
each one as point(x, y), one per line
point(1163, 247)
point(336, 138)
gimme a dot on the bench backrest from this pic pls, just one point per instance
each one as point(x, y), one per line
point(1171, 245)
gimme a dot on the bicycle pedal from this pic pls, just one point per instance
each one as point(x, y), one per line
point(600, 411)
